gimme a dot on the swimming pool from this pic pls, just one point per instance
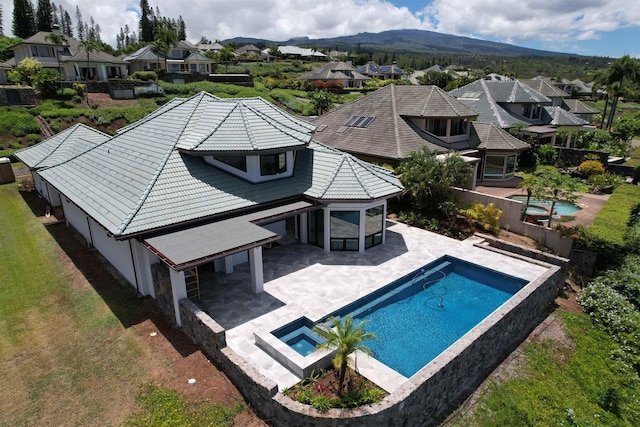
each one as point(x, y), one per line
point(561, 208)
point(421, 314)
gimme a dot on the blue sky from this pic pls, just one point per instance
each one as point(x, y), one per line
point(585, 27)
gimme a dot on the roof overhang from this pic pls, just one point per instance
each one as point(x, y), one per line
point(186, 248)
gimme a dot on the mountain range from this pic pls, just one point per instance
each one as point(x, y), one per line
point(405, 41)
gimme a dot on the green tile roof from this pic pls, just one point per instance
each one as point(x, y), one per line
point(61, 147)
point(139, 180)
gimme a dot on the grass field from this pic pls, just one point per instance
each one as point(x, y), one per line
point(70, 353)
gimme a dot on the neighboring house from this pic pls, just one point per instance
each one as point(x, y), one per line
point(295, 52)
point(555, 94)
point(382, 72)
point(580, 109)
point(184, 57)
point(578, 88)
point(513, 103)
point(248, 51)
point(70, 58)
point(389, 124)
point(209, 180)
point(335, 74)
point(209, 47)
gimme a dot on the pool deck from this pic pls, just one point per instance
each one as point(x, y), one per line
point(590, 204)
point(303, 280)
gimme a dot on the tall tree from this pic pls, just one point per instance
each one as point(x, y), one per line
point(625, 68)
point(1, 27)
point(68, 25)
point(89, 46)
point(182, 29)
point(43, 16)
point(55, 20)
point(58, 40)
point(167, 38)
point(24, 23)
point(80, 24)
point(146, 26)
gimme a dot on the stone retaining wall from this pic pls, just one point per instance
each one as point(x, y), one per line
point(162, 287)
point(427, 398)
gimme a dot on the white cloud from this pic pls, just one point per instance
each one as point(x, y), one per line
point(554, 22)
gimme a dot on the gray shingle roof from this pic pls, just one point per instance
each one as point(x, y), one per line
point(545, 88)
point(489, 97)
point(61, 147)
point(139, 181)
point(390, 135)
point(558, 117)
point(333, 71)
point(578, 107)
point(488, 136)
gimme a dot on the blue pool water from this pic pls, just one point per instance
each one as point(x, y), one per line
point(561, 208)
point(421, 314)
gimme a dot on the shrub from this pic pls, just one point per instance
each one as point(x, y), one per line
point(547, 154)
point(591, 167)
point(33, 138)
point(67, 93)
point(15, 145)
point(77, 99)
point(56, 126)
point(17, 122)
point(144, 75)
point(79, 88)
point(488, 215)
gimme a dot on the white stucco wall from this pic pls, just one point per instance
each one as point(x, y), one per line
point(117, 252)
point(76, 218)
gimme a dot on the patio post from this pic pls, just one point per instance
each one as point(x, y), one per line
point(255, 265)
point(178, 291)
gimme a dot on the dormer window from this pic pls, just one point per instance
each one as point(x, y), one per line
point(458, 127)
point(42, 51)
point(237, 162)
point(437, 127)
point(273, 164)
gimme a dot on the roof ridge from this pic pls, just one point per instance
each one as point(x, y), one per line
point(364, 186)
point(492, 103)
point(208, 135)
point(248, 129)
point(276, 123)
point(159, 170)
point(333, 175)
point(395, 115)
point(72, 131)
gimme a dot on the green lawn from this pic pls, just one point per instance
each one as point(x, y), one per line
point(570, 383)
point(66, 356)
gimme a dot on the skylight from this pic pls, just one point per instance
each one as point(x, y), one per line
point(359, 121)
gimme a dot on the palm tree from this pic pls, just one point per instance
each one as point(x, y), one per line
point(57, 40)
point(88, 46)
point(166, 37)
point(531, 184)
point(158, 47)
point(624, 68)
point(226, 55)
point(555, 187)
point(345, 337)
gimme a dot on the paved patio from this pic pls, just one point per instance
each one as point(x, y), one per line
point(303, 280)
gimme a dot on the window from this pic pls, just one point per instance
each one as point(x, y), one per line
point(42, 51)
point(374, 222)
point(458, 127)
point(499, 167)
point(237, 162)
point(273, 164)
point(315, 221)
point(437, 127)
point(345, 230)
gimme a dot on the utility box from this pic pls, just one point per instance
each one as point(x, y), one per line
point(6, 172)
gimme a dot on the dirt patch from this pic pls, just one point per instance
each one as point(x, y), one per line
point(518, 239)
point(104, 100)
